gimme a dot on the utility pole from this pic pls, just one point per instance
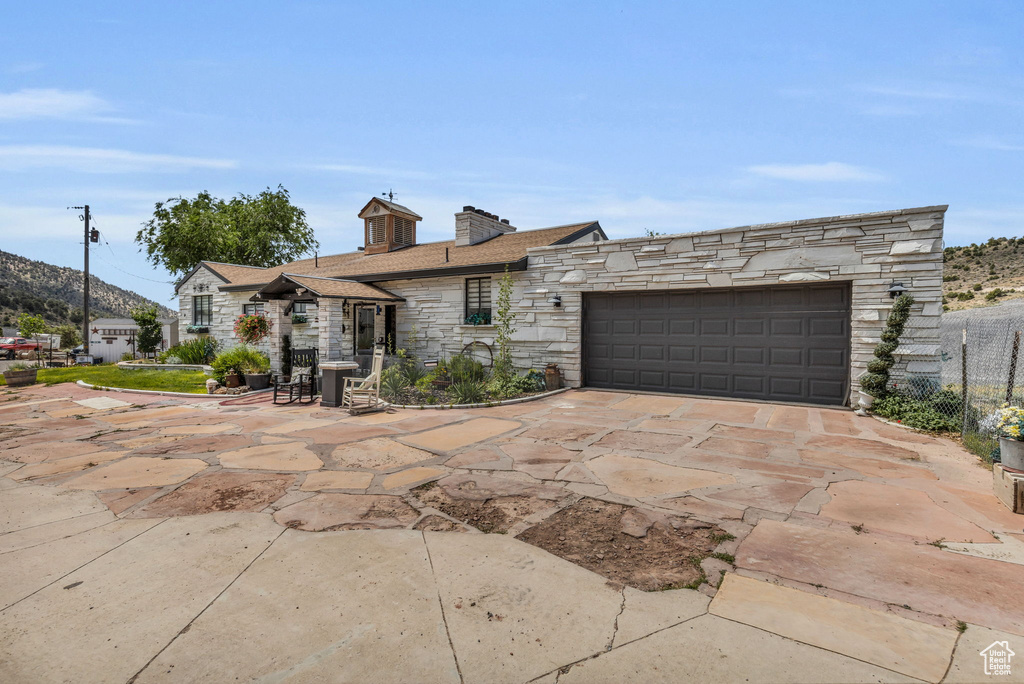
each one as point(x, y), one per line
point(85, 287)
point(89, 236)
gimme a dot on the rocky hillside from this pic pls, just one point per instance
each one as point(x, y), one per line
point(983, 275)
point(55, 293)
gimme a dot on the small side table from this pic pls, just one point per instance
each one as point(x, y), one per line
point(334, 373)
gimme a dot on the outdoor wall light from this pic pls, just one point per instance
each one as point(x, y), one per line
point(555, 299)
point(344, 307)
point(896, 289)
point(379, 310)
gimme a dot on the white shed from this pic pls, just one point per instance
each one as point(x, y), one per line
point(112, 338)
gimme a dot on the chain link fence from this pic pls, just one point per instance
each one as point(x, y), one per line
point(982, 369)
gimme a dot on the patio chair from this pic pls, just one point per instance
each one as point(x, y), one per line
point(303, 378)
point(367, 388)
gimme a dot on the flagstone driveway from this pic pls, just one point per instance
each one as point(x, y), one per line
point(152, 539)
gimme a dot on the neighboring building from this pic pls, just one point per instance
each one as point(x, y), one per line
point(785, 311)
point(112, 338)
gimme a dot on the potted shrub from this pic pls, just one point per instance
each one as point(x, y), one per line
point(19, 374)
point(1011, 436)
point(231, 364)
point(257, 372)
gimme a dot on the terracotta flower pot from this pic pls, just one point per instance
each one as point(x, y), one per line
point(231, 380)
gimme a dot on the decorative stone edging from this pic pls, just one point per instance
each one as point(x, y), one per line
point(131, 365)
point(82, 383)
point(488, 404)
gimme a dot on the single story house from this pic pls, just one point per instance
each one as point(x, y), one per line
point(112, 338)
point(784, 311)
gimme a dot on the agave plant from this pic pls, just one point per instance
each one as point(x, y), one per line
point(468, 392)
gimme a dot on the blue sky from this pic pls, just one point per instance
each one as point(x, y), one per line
point(664, 116)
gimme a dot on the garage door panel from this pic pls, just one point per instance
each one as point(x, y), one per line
point(788, 342)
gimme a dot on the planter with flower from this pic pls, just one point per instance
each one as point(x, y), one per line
point(252, 329)
point(1010, 428)
point(18, 374)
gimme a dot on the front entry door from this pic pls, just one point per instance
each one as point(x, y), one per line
point(364, 329)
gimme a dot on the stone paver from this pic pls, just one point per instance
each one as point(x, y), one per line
point(968, 667)
point(32, 505)
point(407, 478)
point(33, 471)
point(287, 456)
point(506, 627)
point(896, 509)
point(640, 477)
point(976, 590)
point(781, 497)
point(739, 466)
point(347, 512)
point(220, 491)
point(344, 607)
point(712, 649)
point(378, 454)
point(461, 435)
point(127, 604)
point(138, 471)
point(336, 479)
point(912, 648)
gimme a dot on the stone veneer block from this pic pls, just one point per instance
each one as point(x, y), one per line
point(872, 636)
point(620, 261)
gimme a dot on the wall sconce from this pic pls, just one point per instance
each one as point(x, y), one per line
point(555, 299)
point(896, 289)
point(379, 310)
point(344, 307)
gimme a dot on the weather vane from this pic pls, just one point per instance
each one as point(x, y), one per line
point(390, 194)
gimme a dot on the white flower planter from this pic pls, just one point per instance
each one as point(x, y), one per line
point(1011, 453)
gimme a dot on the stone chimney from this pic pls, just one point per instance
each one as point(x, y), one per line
point(473, 226)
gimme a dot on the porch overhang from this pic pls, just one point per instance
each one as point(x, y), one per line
point(294, 287)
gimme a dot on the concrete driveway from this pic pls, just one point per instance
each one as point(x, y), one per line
point(145, 538)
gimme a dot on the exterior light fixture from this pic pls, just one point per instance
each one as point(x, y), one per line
point(896, 289)
point(555, 299)
point(344, 307)
point(379, 310)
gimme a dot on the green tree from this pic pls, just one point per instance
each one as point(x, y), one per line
point(504, 328)
point(262, 230)
point(876, 381)
point(70, 335)
point(31, 326)
point(150, 333)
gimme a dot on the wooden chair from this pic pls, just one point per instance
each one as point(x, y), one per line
point(367, 388)
point(303, 378)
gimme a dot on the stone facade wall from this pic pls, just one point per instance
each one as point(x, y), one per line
point(870, 251)
point(227, 306)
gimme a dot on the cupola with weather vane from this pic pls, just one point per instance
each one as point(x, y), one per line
point(389, 226)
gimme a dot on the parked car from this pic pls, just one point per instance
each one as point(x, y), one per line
point(10, 346)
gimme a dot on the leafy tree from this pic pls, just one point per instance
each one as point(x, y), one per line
point(31, 326)
point(505, 328)
point(150, 333)
point(262, 230)
point(70, 335)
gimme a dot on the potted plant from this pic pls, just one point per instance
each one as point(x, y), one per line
point(257, 372)
point(19, 374)
point(1010, 428)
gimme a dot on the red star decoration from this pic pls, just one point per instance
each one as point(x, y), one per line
point(95, 331)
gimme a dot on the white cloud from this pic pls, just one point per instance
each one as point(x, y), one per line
point(24, 67)
point(935, 93)
point(371, 171)
point(99, 160)
point(988, 142)
point(827, 172)
point(50, 103)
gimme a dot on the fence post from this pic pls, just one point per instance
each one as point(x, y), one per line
point(963, 382)
point(1011, 378)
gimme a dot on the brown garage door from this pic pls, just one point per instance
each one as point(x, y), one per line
point(782, 343)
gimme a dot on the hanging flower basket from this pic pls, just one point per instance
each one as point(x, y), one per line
point(252, 328)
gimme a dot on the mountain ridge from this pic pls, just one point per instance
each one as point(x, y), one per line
point(55, 293)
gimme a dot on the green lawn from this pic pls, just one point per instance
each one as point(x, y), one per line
point(112, 376)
